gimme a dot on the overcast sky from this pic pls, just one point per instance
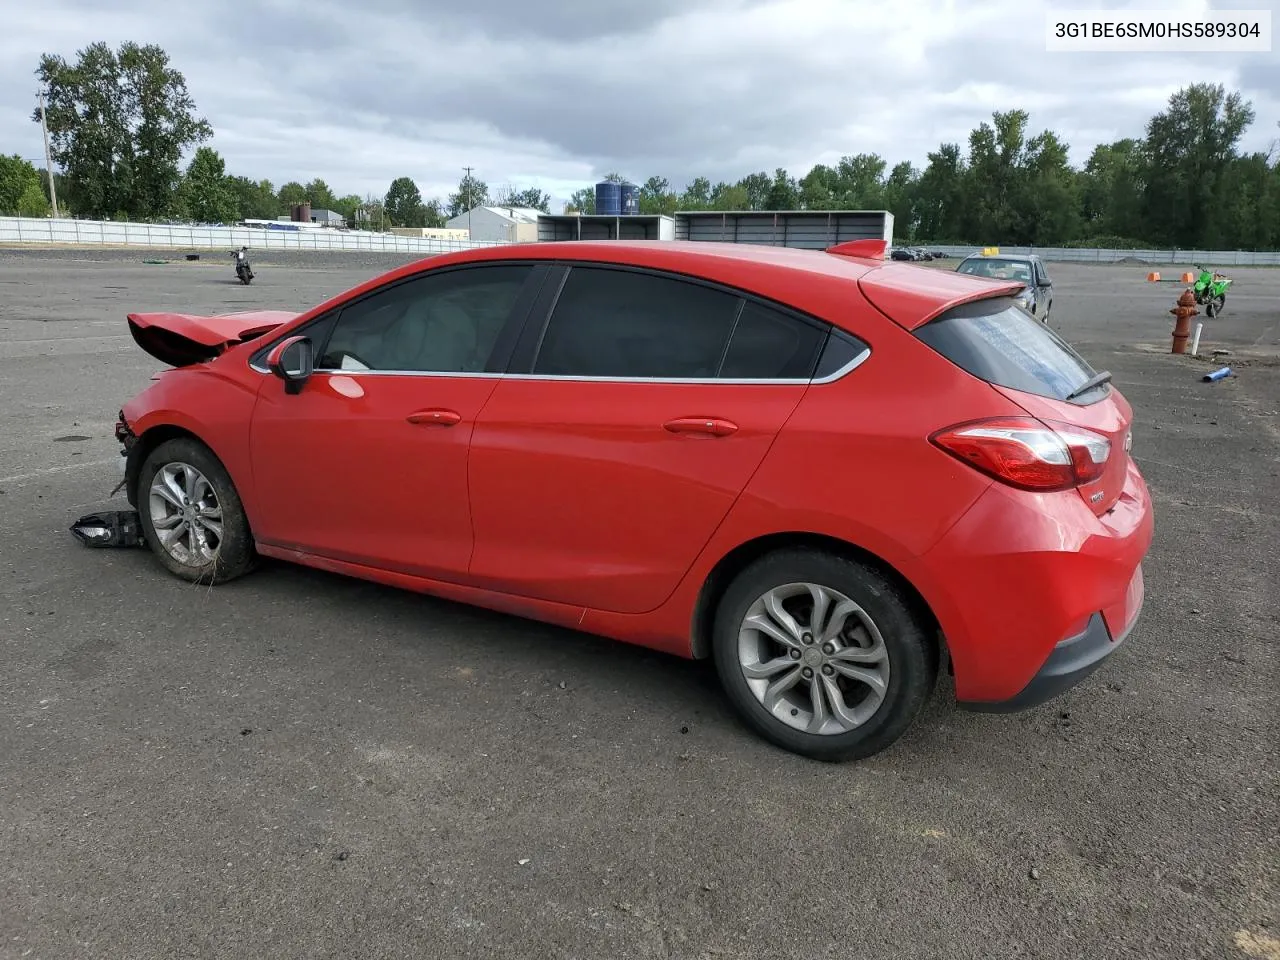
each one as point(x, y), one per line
point(556, 93)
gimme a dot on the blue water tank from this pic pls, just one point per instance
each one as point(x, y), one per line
point(608, 198)
point(630, 198)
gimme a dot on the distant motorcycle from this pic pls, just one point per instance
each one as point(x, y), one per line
point(244, 272)
point(1210, 290)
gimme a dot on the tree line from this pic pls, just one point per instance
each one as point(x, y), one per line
point(1184, 183)
point(120, 121)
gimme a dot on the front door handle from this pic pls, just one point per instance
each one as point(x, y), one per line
point(707, 426)
point(435, 417)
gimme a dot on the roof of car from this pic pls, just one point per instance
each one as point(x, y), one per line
point(911, 293)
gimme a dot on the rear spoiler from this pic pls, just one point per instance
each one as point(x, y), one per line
point(869, 249)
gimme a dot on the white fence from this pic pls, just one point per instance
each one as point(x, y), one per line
point(45, 230)
point(1210, 258)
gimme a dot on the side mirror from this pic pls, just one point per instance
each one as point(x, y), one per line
point(292, 361)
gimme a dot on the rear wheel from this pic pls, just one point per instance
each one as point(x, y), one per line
point(191, 515)
point(821, 655)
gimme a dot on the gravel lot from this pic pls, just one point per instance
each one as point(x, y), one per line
point(299, 765)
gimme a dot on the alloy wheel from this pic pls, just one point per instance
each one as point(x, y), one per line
point(813, 658)
point(186, 514)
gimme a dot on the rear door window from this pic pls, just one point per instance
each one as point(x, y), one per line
point(623, 324)
point(996, 342)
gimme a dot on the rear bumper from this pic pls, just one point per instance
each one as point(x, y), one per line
point(1033, 592)
point(1070, 662)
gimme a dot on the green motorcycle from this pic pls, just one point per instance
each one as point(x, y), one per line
point(1211, 290)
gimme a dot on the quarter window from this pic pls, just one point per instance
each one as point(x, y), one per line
point(443, 322)
point(768, 344)
point(625, 324)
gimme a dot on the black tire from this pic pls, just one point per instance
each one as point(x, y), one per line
point(912, 656)
point(234, 555)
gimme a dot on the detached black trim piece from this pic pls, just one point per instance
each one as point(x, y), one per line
point(1070, 662)
point(111, 528)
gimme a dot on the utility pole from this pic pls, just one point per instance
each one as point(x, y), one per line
point(48, 159)
point(467, 198)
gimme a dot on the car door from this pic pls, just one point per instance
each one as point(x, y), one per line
point(368, 462)
point(1044, 288)
point(632, 418)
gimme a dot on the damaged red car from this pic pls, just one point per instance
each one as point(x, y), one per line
point(837, 476)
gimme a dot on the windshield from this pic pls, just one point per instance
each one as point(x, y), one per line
point(999, 269)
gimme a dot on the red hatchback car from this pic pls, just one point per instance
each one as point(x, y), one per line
point(830, 472)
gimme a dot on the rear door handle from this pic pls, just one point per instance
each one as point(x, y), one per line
point(436, 416)
point(707, 426)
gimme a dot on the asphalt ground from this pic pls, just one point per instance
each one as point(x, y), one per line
point(301, 765)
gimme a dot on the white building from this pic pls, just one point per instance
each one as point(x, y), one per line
point(496, 224)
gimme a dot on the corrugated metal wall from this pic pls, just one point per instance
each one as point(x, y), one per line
point(815, 230)
point(602, 228)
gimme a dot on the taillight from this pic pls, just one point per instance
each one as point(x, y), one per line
point(1028, 453)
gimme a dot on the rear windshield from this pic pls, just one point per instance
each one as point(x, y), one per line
point(1003, 345)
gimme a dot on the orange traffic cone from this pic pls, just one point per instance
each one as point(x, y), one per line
point(1188, 278)
point(1153, 277)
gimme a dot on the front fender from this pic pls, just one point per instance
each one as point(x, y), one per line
point(205, 403)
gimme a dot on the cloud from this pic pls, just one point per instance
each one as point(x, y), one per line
point(559, 92)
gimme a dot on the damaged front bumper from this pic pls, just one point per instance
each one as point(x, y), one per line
point(116, 528)
point(128, 442)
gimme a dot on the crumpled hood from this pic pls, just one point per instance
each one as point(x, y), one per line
point(181, 339)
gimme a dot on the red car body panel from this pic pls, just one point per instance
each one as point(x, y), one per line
point(579, 495)
point(341, 470)
point(572, 501)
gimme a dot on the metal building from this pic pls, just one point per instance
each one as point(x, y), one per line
point(812, 229)
point(575, 226)
point(496, 224)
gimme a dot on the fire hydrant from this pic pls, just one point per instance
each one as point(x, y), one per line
point(1184, 311)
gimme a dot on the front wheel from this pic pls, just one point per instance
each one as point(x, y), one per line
point(821, 655)
point(191, 514)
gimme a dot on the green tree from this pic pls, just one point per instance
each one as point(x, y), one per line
point(33, 202)
point(697, 195)
point(403, 203)
point(531, 198)
point(119, 122)
point(940, 196)
point(784, 193)
point(433, 213)
point(371, 214)
point(347, 206)
point(583, 201)
point(206, 194)
point(472, 192)
point(291, 193)
point(657, 197)
point(320, 196)
point(900, 199)
point(1112, 186)
point(255, 199)
point(17, 176)
point(1188, 148)
point(756, 186)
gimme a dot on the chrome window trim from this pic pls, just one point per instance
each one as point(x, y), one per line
point(853, 364)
